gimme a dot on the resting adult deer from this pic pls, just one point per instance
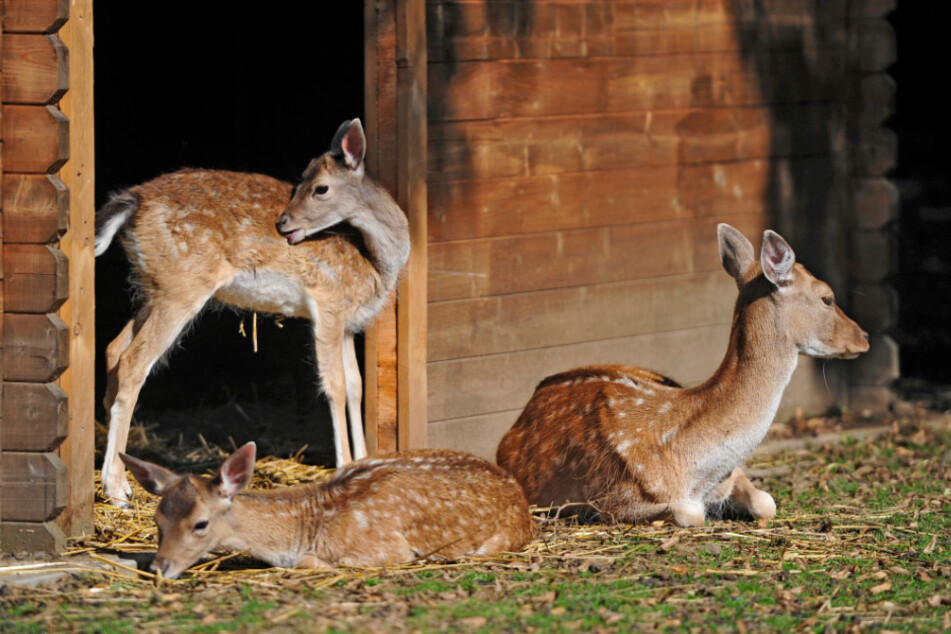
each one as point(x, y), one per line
point(194, 236)
point(423, 504)
point(638, 447)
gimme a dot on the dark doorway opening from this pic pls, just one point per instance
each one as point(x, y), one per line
point(186, 84)
point(923, 281)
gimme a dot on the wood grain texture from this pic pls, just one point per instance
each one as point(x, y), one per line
point(36, 347)
point(78, 450)
point(34, 16)
point(35, 208)
point(35, 416)
point(474, 150)
point(35, 139)
point(380, 99)
point(537, 319)
point(34, 486)
point(492, 383)
point(36, 278)
point(506, 89)
point(411, 174)
point(466, 30)
point(35, 69)
point(461, 210)
point(479, 268)
point(32, 537)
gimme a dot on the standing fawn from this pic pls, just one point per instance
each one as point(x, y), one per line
point(423, 504)
point(638, 447)
point(195, 236)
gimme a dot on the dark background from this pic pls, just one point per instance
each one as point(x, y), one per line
point(923, 232)
point(209, 84)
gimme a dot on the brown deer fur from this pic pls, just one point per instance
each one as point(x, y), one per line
point(638, 447)
point(423, 504)
point(195, 236)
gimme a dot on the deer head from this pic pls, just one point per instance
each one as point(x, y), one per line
point(805, 307)
point(330, 191)
point(192, 516)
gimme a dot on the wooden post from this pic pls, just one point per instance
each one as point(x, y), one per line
point(395, 372)
point(47, 362)
point(78, 312)
point(411, 166)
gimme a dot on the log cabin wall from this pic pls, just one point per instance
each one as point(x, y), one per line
point(46, 452)
point(580, 156)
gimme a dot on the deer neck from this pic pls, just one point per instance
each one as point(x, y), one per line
point(738, 403)
point(385, 232)
point(278, 529)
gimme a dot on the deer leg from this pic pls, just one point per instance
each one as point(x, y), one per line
point(680, 513)
point(113, 350)
point(738, 492)
point(333, 381)
point(354, 396)
point(153, 332)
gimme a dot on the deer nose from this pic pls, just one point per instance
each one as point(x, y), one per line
point(160, 564)
point(282, 222)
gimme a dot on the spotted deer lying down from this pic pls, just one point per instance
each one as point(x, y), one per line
point(638, 447)
point(195, 236)
point(423, 504)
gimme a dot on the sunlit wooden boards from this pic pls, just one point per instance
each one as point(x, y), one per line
point(45, 489)
point(580, 156)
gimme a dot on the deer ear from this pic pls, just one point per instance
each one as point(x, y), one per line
point(777, 258)
point(351, 143)
point(235, 473)
point(153, 478)
point(736, 252)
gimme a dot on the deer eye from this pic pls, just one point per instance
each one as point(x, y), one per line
point(320, 190)
point(200, 526)
point(828, 300)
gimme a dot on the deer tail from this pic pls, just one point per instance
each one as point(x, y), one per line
point(112, 217)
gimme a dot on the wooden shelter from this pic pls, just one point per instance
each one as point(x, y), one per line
point(564, 164)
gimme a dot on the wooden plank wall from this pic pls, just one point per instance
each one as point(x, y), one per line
point(581, 154)
point(36, 340)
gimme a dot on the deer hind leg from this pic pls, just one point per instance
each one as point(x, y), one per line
point(330, 366)
point(354, 384)
point(737, 494)
point(113, 350)
point(152, 332)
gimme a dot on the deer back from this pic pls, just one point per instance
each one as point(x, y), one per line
point(213, 231)
point(438, 504)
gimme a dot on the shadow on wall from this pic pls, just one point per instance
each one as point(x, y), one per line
point(801, 65)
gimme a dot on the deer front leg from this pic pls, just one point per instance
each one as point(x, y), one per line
point(330, 366)
point(686, 513)
point(354, 396)
point(738, 492)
